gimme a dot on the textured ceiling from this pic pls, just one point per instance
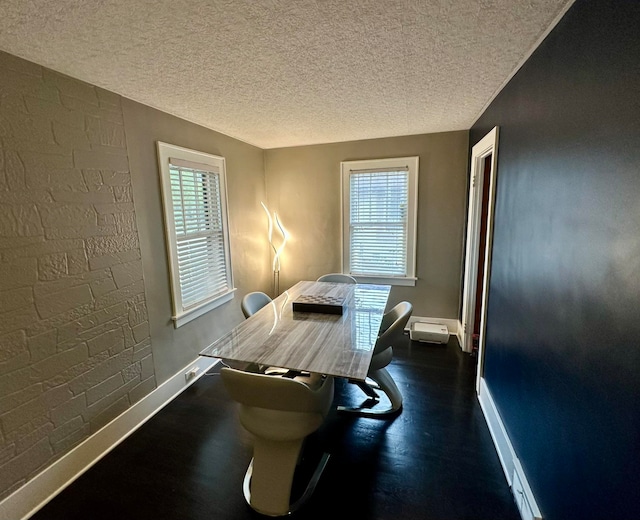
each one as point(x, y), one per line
point(280, 73)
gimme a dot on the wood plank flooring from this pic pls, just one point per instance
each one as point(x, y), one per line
point(435, 460)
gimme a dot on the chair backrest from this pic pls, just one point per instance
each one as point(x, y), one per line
point(337, 278)
point(253, 302)
point(392, 326)
point(275, 392)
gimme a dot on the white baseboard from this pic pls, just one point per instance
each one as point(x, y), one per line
point(510, 464)
point(452, 324)
point(32, 496)
point(459, 333)
point(497, 430)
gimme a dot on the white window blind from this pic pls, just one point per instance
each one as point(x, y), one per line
point(194, 196)
point(202, 265)
point(378, 222)
point(379, 219)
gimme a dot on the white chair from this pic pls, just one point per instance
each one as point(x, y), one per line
point(392, 329)
point(280, 412)
point(253, 302)
point(337, 278)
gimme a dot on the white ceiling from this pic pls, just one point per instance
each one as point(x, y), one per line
point(278, 73)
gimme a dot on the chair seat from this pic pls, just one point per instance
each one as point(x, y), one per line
point(254, 301)
point(392, 328)
point(280, 411)
point(337, 278)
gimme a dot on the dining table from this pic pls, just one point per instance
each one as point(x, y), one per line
point(333, 334)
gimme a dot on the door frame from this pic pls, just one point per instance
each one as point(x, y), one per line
point(488, 145)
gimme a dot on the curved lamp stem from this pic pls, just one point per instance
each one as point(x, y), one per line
point(277, 251)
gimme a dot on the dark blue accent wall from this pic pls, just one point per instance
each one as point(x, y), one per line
point(563, 325)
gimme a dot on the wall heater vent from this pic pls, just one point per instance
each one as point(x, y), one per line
point(429, 332)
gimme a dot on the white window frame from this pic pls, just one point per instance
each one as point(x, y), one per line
point(216, 165)
point(349, 167)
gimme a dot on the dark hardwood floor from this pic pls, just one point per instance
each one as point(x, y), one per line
point(435, 460)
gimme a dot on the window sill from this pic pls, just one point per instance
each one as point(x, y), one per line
point(406, 281)
point(203, 308)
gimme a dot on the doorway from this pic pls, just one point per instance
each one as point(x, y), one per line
point(482, 184)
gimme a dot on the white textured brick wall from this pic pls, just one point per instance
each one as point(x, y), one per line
point(75, 350)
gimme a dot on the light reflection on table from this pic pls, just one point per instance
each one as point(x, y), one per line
point(367, 300)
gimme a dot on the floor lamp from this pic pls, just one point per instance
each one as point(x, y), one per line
point(277, 251)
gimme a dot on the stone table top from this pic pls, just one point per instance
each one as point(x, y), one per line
point(334, 344)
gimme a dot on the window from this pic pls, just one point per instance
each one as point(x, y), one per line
point(195, 211)
point(379, 220)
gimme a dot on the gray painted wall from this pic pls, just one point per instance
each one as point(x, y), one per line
point(175, 348)
point(303, 185)
point(74, 333)
point(85, 328)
